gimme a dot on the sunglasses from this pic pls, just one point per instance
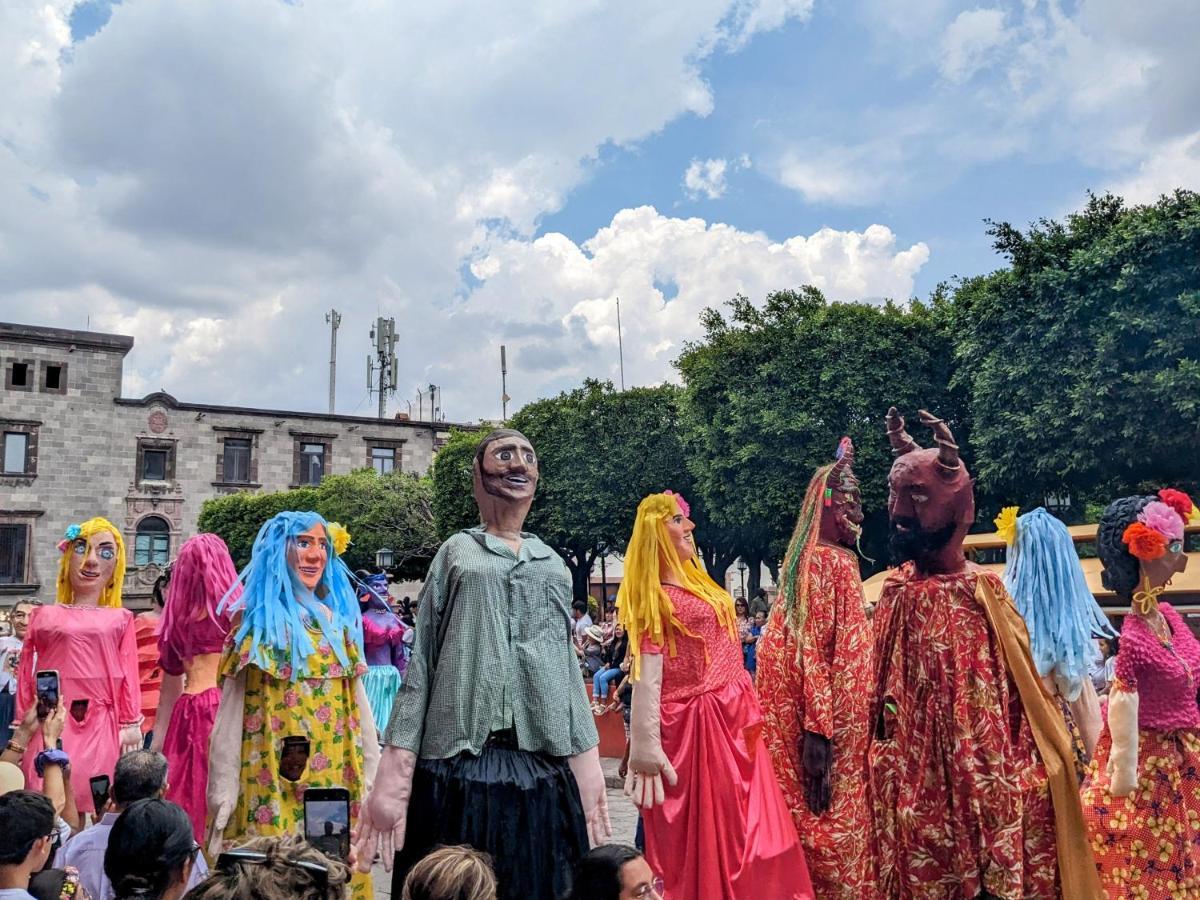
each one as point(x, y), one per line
point(228, 860)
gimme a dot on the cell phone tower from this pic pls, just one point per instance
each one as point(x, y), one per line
point(383, 362)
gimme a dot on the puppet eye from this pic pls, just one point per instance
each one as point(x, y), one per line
point(920, 498)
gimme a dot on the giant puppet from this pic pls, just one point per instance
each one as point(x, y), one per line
point(718, 828)
point(293, 712)
point(491, 741)
point(1142, 799)
point(971, 776)
point(813, 660)
point(89, 640)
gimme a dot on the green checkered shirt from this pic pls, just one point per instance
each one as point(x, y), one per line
point(506, 659)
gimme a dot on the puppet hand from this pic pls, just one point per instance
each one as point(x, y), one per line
point(131, 737)
point(817, 755)
point(384, 817)
point(647, 769)
point(589, 777)
point(1123, 780)
point(216, 830)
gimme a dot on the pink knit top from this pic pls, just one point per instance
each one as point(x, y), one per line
point(1165, 677)
point(707, 662)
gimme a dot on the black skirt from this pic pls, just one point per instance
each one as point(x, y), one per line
point(522, 808)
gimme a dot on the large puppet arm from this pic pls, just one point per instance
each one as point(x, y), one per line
point(225, 758)
point(370, 737)
point(648, 763)
point(593, 793)
point(172, 688)
point(1122, 725)
point(129, 694)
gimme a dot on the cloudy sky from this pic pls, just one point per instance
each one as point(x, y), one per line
point(212, 176)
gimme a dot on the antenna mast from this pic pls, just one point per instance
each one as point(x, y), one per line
point(504, 398)
point(384, 336)
point(620, 344)
point(334, 318)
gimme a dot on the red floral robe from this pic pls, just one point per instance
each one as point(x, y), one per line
point(826, 693)
point(958, 791)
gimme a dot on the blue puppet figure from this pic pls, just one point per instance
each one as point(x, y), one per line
point(1046, 581)
point(294, 714)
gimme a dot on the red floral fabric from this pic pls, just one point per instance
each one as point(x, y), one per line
point(958, 791)
point(825, 693)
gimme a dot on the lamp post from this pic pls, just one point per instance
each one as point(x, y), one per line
point(742, 573)
point(384, 558)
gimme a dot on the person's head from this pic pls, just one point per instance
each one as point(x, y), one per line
point(140, 775)
point(158, 591)
point(760, 618)
point(505, 475)
point(451, 873)
point(594, 635)
point(150, 851)
point(26, 831)
point(199, 578)
point(761, 593)
point(579, 609)
point(742, 608)
point(610, 615)
point(931, 498)
point(618, 630)
point(19, 617)
point(1140, 541)
point(91, 571)
point(615, 872)
point(274, 868)
point(296, 578)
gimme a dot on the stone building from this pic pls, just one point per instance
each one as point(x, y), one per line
point(72, 447)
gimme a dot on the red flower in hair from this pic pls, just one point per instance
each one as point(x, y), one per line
point(1143, 542)
point(1178, 501)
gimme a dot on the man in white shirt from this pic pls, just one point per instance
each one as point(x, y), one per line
point(10, 656)
point(26, 835)
point(139, 776)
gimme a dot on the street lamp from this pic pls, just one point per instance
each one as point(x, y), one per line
point(384, 558)
point(742, 573)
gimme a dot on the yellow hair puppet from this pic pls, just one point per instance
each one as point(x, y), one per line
point(644, 608)
point(111, 595)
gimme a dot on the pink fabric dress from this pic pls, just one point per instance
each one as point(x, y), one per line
point(725, 832)
point(192, 719)
point(94, 651)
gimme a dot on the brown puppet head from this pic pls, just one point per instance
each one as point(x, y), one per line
point(841, 503)
point(506, 476)
point(931, 499)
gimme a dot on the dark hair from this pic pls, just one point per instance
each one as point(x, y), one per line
point(580, 606)
point(1121, 569)
point(598, 875)
point(147, 848)
point(139, 775)
point(742, 602)
point(761, 592)
point(495, 436)
point(25, 817)
point(156, 592)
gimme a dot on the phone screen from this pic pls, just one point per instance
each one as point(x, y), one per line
point(327, 821)
point(47, 691)
point(100, 787)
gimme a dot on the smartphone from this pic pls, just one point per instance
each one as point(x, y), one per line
point(100, 786)
point(327, 821)
point(47, 692)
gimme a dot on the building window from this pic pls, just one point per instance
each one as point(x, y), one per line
point(383, 459)
point(155, 460)
point(18, 448)
point(16, 445)
point(18, 375)
point(152, 544)
point(236, 460)
point(14, 541)
point(54, 378)
point(154, 465)
point(312, 463)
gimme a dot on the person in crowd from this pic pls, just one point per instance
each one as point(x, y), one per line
point(615, 872)
point(151, 852)
point(581, 622)
point(10, 658)
point(27, 836)
point(760, 603)
point(275, 868)
point(695, 756)
point(970, 769)
point(90, 641)
point(451, 873)
point(141, 775)
point(491, 742)
point(189, 647)
point(146, 628)
point(742, 621)
point(814, 661)
point(383, 644)
point(1110, 664)
point(1100, 654)
point(609, 627)
point(610, 670)
point(1142, 797)
point(294, 713)
point(750, 647)
point(408, 612)
point(593, 650)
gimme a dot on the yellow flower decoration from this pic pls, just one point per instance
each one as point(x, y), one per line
point(340, 537)
point(1006, 524)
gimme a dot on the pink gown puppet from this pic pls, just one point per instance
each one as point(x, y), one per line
point(190, 644)
point(383, 643)
point(88, 639)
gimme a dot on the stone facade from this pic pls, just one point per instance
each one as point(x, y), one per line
point(148, 464)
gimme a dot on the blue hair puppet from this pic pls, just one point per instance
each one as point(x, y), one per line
point(278, 610)
point(1045, 579)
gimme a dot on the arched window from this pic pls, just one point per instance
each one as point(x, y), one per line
point(153, 542)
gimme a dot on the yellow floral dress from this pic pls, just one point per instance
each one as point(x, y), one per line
point(320, 707)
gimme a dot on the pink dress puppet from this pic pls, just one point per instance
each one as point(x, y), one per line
point(383, 642)
point(190, 644)
point(89, 641)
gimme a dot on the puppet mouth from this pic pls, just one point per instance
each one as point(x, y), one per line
point(89, 573)
point(310, 571)
point(516, 479)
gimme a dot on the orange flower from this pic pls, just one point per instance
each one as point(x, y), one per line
point(1143, 542)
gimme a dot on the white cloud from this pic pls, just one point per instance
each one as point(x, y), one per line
point(213, 177)
point(1175, 164)
point(970, 41)
point(707, 177)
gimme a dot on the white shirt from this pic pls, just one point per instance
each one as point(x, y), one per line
point(10, 652)
point(15, 894)
point(582, 624)
point(85, 852)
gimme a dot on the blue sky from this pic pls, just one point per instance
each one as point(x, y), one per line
point(212, 178)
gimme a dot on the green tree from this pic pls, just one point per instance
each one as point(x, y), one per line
point(770, 390)
point(453, 489)
point(1082, 358)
